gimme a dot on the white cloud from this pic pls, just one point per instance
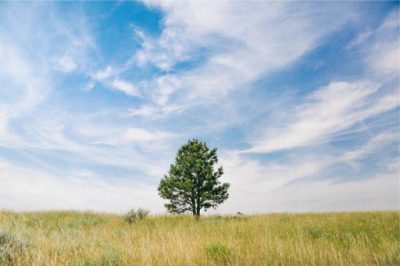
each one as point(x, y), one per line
point(65, 64)
point(166, 86)
point(387, 102)
point(109, 77)
point(24, 86)
point(125, 87)
point(3, 123)
point(103, 74)
point(145, 111)
point(327, 111)
point(243, 42)
point(91, 142)
point(269, 187)
point(377, 142)
point(27, 86)
point(29, 55)
point(386, 59)
point(141, 134)
point(84, 173)
point(381, 47)
point(376, 192)
point(3, 163)
point(243, 171)
point(29, 189)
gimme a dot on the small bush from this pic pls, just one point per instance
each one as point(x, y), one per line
point(142, 213)
point(107, 256)
point(316, 233)
point(10, 246)
point(133, 215)
point(219, 253)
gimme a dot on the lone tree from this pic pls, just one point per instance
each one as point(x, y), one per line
point(192, 183)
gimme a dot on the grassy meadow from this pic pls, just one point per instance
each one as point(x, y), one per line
point(73, 238)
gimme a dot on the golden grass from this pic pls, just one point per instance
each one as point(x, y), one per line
point(73, 238)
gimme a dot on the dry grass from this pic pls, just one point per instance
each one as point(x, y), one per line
point(72, 238)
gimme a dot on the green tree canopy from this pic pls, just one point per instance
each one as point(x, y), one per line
point(192, 183)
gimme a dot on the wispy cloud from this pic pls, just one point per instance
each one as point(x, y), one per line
point(382, 46)
point(327, 111)
point(302, 183)
point(65, 64)
point(125, 87)
point(236, 55)
point(371, 146)
point(29, 189)
point(140, 134)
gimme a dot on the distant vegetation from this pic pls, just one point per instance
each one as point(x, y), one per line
point(60, 238)
point(133, 215)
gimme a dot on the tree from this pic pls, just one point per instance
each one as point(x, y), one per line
point(192, 183)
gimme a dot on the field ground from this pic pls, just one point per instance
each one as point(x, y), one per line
point(73, 238)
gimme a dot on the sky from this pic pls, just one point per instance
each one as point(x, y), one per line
point(300, 99)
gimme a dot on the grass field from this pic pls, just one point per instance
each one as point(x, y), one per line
point(72, 238)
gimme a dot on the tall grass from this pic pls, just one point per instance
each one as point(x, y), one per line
point(72, 238)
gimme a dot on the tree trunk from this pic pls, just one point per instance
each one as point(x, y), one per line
point(193, 198)
point(193, 209)
point(198, 211)
point(196, 214)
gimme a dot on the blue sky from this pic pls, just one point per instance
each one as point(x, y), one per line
point(301, 100)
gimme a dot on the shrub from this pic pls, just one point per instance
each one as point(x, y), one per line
point(10, 245)
point(135, 215)
point(106, 256)
point(220, 253)
point(142, 213)
point(316, 233)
